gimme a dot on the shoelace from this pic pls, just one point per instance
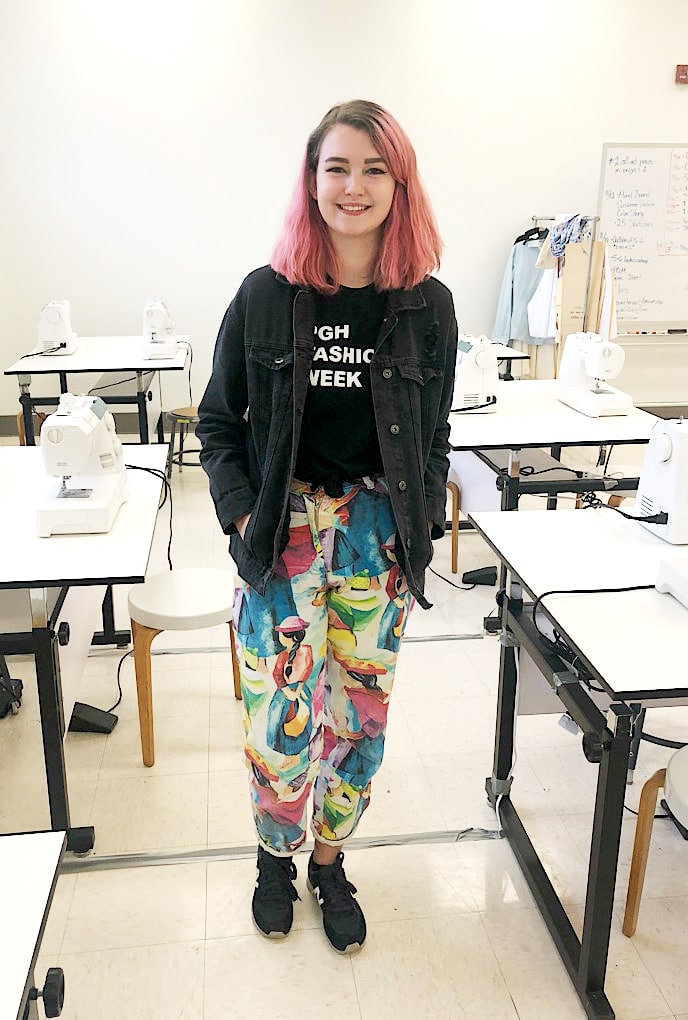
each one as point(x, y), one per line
point(335, 888)
point(277, 879)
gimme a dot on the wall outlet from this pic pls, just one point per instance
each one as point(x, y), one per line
point(682, 74)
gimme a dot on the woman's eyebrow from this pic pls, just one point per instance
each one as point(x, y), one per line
point(343, 159)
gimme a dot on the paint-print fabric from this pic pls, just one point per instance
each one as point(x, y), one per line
point(318, 653)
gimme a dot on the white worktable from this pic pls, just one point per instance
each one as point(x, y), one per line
point(28, 864)
point(633, 644)
point(104, 354)
point(100, 354)
point(81, 565)
point(506, 353)
point(529, 413)
point(117, 557)
point(635, 641)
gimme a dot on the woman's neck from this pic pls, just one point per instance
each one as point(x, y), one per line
point(357, 258)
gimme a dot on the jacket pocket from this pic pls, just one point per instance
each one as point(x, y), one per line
point(270, 375)
point(417, 372)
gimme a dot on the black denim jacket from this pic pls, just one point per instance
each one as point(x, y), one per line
point(251, 413)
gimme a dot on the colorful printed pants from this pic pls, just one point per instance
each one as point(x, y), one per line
point(318, 653)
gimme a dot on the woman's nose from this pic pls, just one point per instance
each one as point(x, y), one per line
point(354, 183)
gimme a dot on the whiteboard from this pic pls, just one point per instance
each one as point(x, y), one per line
point(643, 209)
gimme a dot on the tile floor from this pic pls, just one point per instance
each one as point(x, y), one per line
point(453, 930)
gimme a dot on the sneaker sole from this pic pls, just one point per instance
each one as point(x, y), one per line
point(271, 934)
point(355, 947)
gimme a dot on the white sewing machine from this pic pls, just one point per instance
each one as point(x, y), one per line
point(159, 337)
point(588, 362)
point(663, 483)
point(80, 446)
point(55, 335)
point(672, 577)
point(477, 375)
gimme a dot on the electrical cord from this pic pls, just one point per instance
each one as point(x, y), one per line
point(167, 491)
point(107, 386)
point(119, 682)
point(187, 344)
point(528, 470)
point(48, 350)
point(457, 586)
point(592, 502)
point(475, 407)
point(636, 813)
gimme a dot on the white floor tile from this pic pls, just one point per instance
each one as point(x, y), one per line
point(146, 982)
point(136, 907)
point(250, 976)
point(427, 967)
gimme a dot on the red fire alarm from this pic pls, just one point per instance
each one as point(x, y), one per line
point(682, 74)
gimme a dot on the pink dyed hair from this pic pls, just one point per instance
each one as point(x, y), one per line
point(410, 247)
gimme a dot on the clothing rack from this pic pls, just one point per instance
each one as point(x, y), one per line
point(540, 219)
point(594, 220)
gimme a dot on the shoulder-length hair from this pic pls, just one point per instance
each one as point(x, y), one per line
point(410, 245)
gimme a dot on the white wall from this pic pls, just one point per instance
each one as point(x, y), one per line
point(149, 147)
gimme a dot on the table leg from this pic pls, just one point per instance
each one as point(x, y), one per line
point(604, 855)
point(499, 783)
point(141, 402)
point(52, 722)
point(27, 411)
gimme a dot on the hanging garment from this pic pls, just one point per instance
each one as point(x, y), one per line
point(542, 315)
point(608, 326)
point(519, 283)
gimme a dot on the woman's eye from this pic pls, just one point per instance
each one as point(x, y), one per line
point(375, 170)
point(335, 170)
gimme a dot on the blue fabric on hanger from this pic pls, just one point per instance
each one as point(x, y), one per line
point(568, 232)
point(519, 283)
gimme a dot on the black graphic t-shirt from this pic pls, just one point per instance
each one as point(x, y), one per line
point(338, 434)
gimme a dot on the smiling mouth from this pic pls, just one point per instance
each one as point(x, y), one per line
point(353, 210)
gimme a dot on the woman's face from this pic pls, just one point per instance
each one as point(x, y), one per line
point(352, 184)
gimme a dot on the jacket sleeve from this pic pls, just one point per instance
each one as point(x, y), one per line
point(222, 427)
point(435, 480)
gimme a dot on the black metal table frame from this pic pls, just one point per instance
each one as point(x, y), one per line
point(585, 959)
point(28, 403)
point(43, 641)
point(512, 484)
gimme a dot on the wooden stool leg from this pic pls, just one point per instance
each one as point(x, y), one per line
point(641, 848)
point(615, 500)
point(455, 504)
point(142, 637)
point(235, 663)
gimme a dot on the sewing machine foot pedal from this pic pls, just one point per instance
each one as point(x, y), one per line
point(87, 719)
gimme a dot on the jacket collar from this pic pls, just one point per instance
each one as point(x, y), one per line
point(397, 300)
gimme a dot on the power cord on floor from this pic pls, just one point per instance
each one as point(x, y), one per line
point(457, 586)
point(636, 813)
point(119, 683)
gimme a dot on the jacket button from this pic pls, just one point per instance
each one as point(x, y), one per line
point(408, 543)
point(278, 361)
point(394, 429)
point(402, 486)
point(386, 373)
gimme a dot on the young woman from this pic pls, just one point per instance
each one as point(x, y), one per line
point(325, 438)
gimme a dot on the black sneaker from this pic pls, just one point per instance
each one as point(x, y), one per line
point(343, 919)
point(273, 899)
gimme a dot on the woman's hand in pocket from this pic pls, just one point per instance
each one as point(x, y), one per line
point(241, 524)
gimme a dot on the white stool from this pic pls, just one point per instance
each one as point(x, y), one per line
point(674, 779)
point(187, 599)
